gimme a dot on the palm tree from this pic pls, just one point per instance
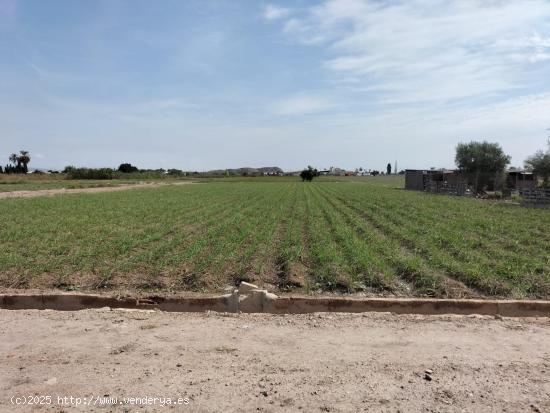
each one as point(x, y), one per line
point(24, 159)
point(14, 159)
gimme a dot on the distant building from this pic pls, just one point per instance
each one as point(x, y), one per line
point(435, 180)
point(337, 171)
point(517, 179)
point(446, 180)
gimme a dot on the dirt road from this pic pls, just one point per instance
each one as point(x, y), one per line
point(269, 363)
point(51, 192)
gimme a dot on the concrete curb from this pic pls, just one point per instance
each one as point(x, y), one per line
point(411, 306)
point(250, 299)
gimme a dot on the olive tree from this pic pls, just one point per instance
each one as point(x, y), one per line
point(481, 162)
point(539, 164)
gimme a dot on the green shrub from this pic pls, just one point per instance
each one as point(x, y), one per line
point(308, 174)
point(127, 168)
point(89, 173)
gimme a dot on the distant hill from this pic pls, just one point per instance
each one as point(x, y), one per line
point(248, 171)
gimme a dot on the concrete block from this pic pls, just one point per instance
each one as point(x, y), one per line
point(245, 287)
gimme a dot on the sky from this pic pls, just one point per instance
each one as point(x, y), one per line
point(200, 85)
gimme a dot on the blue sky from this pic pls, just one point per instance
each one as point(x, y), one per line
point(201, 85)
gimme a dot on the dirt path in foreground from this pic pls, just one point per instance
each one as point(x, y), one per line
point(269, 363)
point(51, 192)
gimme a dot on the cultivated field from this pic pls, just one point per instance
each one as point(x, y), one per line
point(357, 235)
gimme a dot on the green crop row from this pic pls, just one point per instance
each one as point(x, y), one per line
point(346, 236)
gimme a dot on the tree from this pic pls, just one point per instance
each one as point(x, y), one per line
point(20, 163)
point(481, 162)
point(388, 169)
point(16, 168)
point(308, 174)
point(175, 172)
point(127, 168)
point(89, 173)
point(24, 159)
point(539, 164)
point(14, 159)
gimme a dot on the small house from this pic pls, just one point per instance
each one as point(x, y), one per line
point(435, 180)
point(518, 180)
point(415, 179)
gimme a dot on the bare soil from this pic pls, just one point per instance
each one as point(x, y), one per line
point(59, 191)
point(258, 362)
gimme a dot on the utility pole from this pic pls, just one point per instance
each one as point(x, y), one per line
point(395, 169)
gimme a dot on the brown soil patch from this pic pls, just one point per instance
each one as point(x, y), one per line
point(52, 192)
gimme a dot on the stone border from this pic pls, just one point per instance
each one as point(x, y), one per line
point(250, 299)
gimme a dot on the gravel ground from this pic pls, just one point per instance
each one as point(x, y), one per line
point(259, 362)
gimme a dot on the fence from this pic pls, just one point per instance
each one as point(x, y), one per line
point(536, 197)
point(438, 187)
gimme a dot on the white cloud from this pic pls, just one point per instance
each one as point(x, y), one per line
point(429, 50)
point(301, 105)
point(272, 12)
